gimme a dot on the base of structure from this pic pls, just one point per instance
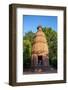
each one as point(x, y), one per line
point(40, 69)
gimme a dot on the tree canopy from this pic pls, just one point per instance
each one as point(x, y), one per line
point(51, 36)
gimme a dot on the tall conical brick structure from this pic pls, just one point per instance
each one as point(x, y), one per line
point(40, 49)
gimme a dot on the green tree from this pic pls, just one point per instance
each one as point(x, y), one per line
point(51, 36)
point(29, 36)
point(27, 43)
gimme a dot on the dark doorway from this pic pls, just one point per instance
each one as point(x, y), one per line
point(40, 61)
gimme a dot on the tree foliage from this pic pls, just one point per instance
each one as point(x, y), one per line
point(51, 36)
point(27, 45)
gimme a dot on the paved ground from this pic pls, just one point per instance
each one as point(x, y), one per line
point(40, 71)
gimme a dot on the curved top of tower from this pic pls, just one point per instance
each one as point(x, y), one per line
point(39, 36)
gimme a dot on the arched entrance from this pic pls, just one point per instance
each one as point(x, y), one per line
point(40, 60)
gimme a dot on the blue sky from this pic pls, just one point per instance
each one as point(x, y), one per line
point(31, 22)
